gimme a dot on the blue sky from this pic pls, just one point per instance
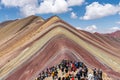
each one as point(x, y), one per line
point(91, 15)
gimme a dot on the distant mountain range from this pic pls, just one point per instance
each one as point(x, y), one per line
point(32, 44)
point(115, 34)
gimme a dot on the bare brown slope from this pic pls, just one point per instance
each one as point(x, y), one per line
point(9, 49)
point(101, 39)
point(113, 42)
point(109, 39)
point(26, 25)
point(25, 34)
point(13, 47)
point(9, 31)
point(6, 23)
point(52, 53)
point(110, 45)
point(115, 34)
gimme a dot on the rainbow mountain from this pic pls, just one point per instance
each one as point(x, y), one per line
point(32, 44)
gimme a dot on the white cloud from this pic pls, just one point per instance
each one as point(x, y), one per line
point(27, 7)
point(73, 15)
point(28, 10)
point(31, 7)
point(18, 3)
point(91, 28)
point(79, 28)
point(96, 10)
point(118, 22)
point(75, 2)
point(53, 6)
point(112, 29)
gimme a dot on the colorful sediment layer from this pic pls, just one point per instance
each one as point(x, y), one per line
point(30, 45)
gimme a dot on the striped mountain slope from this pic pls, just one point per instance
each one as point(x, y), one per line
point(30, 45)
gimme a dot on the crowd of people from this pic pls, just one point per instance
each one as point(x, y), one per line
point(70, 71)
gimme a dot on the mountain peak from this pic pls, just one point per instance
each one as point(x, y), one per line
point(54, 18)
point(36, 18)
